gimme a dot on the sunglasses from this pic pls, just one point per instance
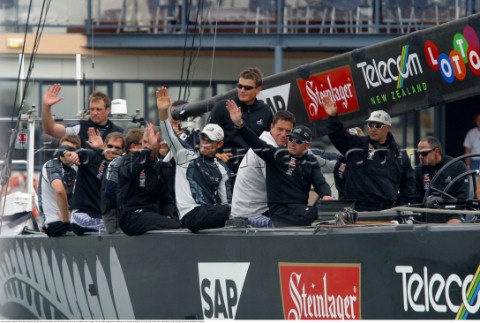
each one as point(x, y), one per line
point(204, 137)
point(297, 141)
point(245, 87)
point(112, 146)
point(376, 126)
point(425, 152)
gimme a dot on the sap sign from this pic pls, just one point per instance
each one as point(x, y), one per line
point(221, 286)
point(276, 97)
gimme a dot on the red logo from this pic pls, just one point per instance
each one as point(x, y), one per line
point(22, 138)
point(315, 292)
point(337, 84)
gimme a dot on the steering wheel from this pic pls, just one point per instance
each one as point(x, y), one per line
point(444, 192)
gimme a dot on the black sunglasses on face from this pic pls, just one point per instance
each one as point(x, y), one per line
point(296, 141)
point(204, 137)
point(246, 87)
point(112, 146)
point(425, 152)
point(376, 126)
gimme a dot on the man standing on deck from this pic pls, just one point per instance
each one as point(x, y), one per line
point(380, 175)
point(97, 124)
point(256, 115)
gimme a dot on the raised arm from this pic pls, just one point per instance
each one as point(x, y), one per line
point(329, 105)
point(235, 113)
point(175, 144)
point(261, 148)
point(163, 103)
point(48, 123)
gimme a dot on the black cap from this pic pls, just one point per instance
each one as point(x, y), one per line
point(302, 133)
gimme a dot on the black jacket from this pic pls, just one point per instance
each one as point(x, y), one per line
point(258, 117)
point(143, 184)
point(459, 189)
point(103, 130)
point(289, 178)
point(379, 176)
point(87, 192)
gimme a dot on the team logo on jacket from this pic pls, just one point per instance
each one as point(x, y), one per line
point(141, 179)
point(221, 286)
point(371, 151)
point(101, 171)
point(320, 291)
point(426, 181)
point(341, 170)
point(291, 166)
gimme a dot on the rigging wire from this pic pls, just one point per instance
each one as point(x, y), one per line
point(213, 49)
point(187, 10)
point(193, 58)
point(197, 27)
point(93, 67)
point(6, 169)
point(15, 112)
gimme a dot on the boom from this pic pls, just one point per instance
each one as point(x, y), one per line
point(422, 69)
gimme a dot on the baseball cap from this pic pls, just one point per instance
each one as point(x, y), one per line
point(213, 131)
point(302, 133)
point(381, 117)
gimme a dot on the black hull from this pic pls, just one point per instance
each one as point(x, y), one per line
point(386, 272)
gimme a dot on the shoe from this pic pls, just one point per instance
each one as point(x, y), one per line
point(236, 223)
point(26, 231)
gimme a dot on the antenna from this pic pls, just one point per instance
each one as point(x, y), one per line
point(78, 77)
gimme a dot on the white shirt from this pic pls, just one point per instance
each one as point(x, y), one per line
point(189, 187)
point(472, 141)
point(250, 191)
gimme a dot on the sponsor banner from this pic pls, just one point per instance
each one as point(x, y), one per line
point(336, 84)
point(276, 97)
point(320, 291)
point(452, 65)
point(426, 291)
point(392, 78)
point(221, 286)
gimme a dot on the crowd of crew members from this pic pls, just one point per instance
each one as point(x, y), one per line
point(246, 163)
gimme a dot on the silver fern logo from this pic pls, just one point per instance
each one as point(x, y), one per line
point(56, 289)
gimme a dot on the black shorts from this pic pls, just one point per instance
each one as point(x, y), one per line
point(206, 217)
point(283, 215)
point(57, 228)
